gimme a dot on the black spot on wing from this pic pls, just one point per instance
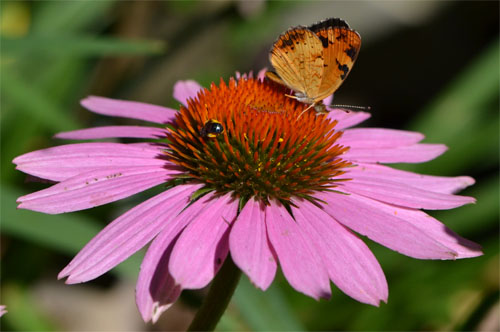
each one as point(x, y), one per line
point(345, 69)
point(351, 53)
point(342, 36)
point(324, 41)
point(328, 23)
point(287, 42)
point(290, 38)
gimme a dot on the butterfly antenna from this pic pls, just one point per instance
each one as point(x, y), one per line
point(349, 107)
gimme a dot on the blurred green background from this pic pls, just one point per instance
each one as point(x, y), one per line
point(430, 66)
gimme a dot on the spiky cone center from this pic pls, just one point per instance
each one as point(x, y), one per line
point(267, 149)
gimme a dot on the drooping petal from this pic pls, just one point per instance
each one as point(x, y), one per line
point(203, 245)
point(347, 118)
point(369, 138)
point(129, 109)
point(113, 132)
point(94, 188)
point(299, 260)
point(184, 90)
point(350, 263)
point(250, 247)
point(417, 153)
point(439, 184)
point(435, 229)
point(398, 193)
point(156, 289)
point(363, 216)
point(63, 162)
point(127, 234)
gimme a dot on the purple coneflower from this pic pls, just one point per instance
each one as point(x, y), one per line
point(261, 183)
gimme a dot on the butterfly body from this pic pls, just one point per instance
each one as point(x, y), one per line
point(314, 61)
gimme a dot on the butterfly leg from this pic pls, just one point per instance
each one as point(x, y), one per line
point(308, 107)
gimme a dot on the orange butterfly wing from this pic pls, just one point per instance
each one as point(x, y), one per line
point(314, 61)
point(297, 57)
point(340, 49)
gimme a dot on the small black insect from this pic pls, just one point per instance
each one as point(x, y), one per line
point(212, 128)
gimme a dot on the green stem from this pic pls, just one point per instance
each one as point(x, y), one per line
point(218, 297)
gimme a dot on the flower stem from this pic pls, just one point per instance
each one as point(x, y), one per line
point(218, 297)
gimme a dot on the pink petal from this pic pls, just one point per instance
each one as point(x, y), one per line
point(397, 193)
point(435, 229)
point(439, 184)
point(299, 260)
point(417, 153)
point(112, 132)
point(129, 109)
point(328, 100)
point(203, 245)
point(184, 90)
point(262, 74)
point(94, 188)
point(127, 234)
point(3, 310)
point(156, 290)
point(243, 76)
point(347, 118)
point(156, 146)
point(350, 263)
point(365, 217)
point(63, 162)
point(364, 138)
point(250, 247)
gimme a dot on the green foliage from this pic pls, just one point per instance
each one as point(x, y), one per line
point(77, 46)
point(22, 314)
point(465, 118)
point(264, 311)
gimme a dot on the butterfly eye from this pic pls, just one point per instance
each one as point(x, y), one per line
point(211, 129)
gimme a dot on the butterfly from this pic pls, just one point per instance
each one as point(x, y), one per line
point(314, 61)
